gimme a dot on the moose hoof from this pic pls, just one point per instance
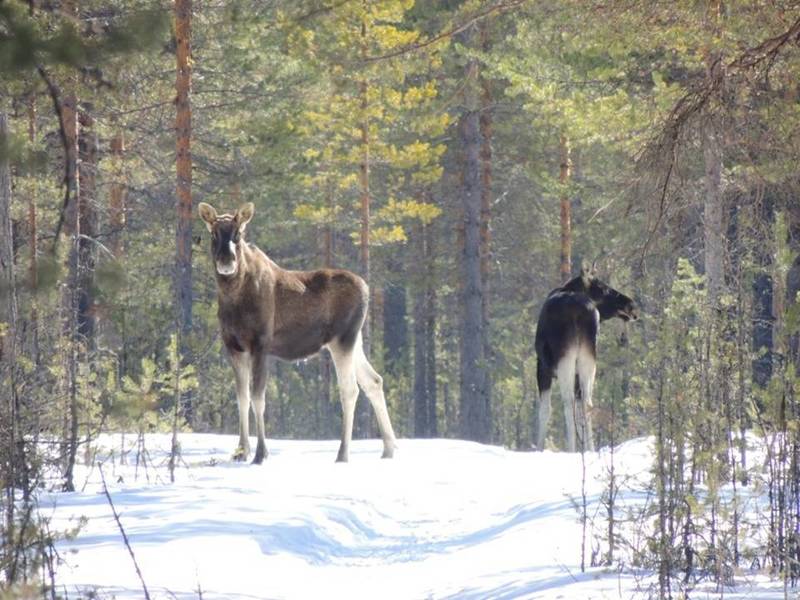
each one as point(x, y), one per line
point(388, 453)
point(240, 455)
point(259, 457)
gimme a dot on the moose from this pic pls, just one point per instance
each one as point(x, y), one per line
point(566, 346)
point(265, 310)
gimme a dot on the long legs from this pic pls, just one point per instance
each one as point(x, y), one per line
point(372, 384)
point(242, 371)
point(250, 372)
point(353, 370)
point(348, 394)
point(259, 388)
point(577, 361)
point(586, 371)
point(544, 379)
point(565, 373)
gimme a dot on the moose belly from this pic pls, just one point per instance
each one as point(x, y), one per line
point(298, 344)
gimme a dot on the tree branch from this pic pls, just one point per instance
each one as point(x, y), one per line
point(500, 7)
point(55, 96)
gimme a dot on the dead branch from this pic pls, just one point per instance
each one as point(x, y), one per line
point(55, 96)
point(122, 531)
point(696, 102)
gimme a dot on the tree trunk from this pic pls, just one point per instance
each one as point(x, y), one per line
point(430, 331)
point(763, 292)
point(565, 167)
point(475, 402)
point(793, 275)
point(118, 196)
point(8, 316)
point(87, 228)
point(714, 251)
point(421, 412)
point(12, 450)
point(183, 131)
point(713, 208)
point(485, 124)
point(395, 327)
point(33, 235)
point(69, 107)
point(363, 417)
point(424, 339)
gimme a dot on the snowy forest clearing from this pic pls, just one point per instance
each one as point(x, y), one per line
point(444, 519)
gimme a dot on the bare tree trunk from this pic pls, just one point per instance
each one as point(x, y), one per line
point(713, 215)
point(9, 414)
point(118, 196)
point(87, 226)
point(565, 167)
point(183, 131)
point(422, 413)
point(395, 328)
point(33, 269)
point(430, 331)
point(763, 291)
point(485, 125)
point(71, 227)
point(7, 277)
point(475, 402)
point(793, 275)
point(363, 418)
point(713, 208)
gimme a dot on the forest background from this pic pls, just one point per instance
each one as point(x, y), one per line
point(465, 158)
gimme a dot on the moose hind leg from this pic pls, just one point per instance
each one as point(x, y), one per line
point(372, 383)
point(587, 367)
point(259, 404)
point(348, 394)
point(566, 382)
point(241, 369)
point(544, 380)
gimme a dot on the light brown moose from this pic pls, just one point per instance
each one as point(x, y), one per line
point(265, 310)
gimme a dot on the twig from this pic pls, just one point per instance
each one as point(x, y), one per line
point(122, 531)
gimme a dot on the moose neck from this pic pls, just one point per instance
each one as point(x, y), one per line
point(606, 312)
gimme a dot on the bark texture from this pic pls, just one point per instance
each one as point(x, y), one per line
point(476, 422)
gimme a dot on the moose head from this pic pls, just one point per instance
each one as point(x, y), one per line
point(609, 302)
point(227, 233)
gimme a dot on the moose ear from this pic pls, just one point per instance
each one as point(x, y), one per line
point(587, 274)
point(208, 214)
point(244, 214)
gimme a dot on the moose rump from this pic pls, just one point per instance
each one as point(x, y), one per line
point(566, 346)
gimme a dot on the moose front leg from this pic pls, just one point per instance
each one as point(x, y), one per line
point(348, 392)
point(242, 371)
point(260, 375)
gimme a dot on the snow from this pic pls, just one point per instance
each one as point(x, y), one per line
point(443, 519)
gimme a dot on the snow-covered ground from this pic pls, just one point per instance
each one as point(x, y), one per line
point(443, 519)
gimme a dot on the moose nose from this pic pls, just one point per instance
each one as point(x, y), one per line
point(226, 268)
